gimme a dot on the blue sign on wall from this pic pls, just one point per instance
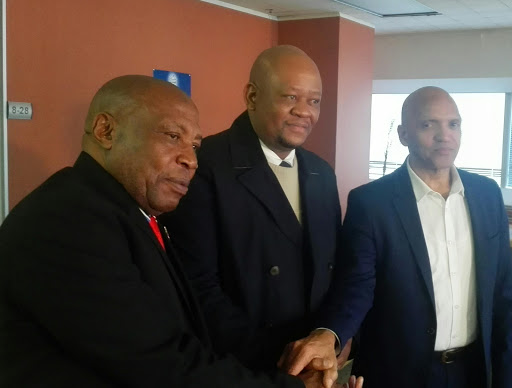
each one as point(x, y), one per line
point(181, 80)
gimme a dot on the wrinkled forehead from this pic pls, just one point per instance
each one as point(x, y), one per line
point(171, 113)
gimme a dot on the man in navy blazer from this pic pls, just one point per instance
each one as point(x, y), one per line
point(428, 279)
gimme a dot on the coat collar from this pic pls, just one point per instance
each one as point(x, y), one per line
point(107, 186)
point(253, 172)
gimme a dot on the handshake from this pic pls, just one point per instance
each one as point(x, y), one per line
point(313, 359)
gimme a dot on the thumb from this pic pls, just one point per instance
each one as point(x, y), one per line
point(319, 363)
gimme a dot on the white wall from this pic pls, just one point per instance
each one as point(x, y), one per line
point(456, 54)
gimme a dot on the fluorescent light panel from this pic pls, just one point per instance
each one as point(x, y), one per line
point(390, 8)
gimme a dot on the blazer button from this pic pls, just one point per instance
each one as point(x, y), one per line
point(330, 266)
point(431, 331)
point(274, 271)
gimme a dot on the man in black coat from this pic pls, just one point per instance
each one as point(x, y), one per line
point(269, 235)
point(91, 291)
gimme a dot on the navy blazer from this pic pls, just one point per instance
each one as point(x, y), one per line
point(88, 297)
point(386, 285)
point(259, 274)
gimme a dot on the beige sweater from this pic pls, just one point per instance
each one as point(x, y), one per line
point(288, 177)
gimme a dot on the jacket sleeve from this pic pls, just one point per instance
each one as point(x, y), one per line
point(352, 291)
point(501, 346)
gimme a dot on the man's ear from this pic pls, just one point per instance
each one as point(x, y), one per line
point(250, 92)
point(103, 127)
point(402, 135)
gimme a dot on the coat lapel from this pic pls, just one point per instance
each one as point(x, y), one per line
point(196, 315)
point(483, 269)
point(253, 172)
point(405, 205)
point(171, 262)
point(314, 211)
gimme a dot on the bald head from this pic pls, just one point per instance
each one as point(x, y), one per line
point(283, 97)
point(145, 133)
point(270, 60)
point(420, 98)
point(121, 95)
point(120, 98)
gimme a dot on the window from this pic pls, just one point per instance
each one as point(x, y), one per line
point(483, 119)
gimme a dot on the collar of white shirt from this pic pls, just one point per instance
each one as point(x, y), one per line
point(421, 189)
point(274, 159)
point(145, 215)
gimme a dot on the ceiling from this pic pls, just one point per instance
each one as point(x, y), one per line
point(455, 14)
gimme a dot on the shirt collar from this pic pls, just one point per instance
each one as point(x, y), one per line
point(421, 189)
point(145, 215)
point(272, 157)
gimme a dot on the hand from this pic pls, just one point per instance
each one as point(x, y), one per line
point(354, 383)
point(312, 378)
point(315, 352)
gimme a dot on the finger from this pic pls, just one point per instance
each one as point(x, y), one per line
point(320, 363)
point(297, 361)
point(330, 376)
point(360, 381)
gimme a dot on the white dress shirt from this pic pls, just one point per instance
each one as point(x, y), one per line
point(447, 230)
point(274, 159)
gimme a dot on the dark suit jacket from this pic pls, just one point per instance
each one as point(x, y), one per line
point(88, 298)
point(258, 273)
point(388, 280)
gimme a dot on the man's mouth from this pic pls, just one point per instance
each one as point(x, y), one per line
point(179, 185)
point(444, 151)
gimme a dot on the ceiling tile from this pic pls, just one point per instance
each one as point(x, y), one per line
point(456, 14)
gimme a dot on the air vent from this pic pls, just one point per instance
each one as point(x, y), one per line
point(390, 8)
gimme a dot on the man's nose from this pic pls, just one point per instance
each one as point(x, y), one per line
point(187, 157)
point(302, 109)
point(444, 132)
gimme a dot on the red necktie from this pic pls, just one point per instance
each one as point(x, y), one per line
point(156, 231)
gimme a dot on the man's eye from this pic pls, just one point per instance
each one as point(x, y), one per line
point(291, 97)
point(426, 125)
point(174, 136)
point(455, 124)
point(315, 102)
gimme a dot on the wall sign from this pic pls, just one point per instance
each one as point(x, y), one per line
point(19, 110)
point(181, 80)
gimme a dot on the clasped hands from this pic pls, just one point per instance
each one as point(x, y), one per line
point(313, 359)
